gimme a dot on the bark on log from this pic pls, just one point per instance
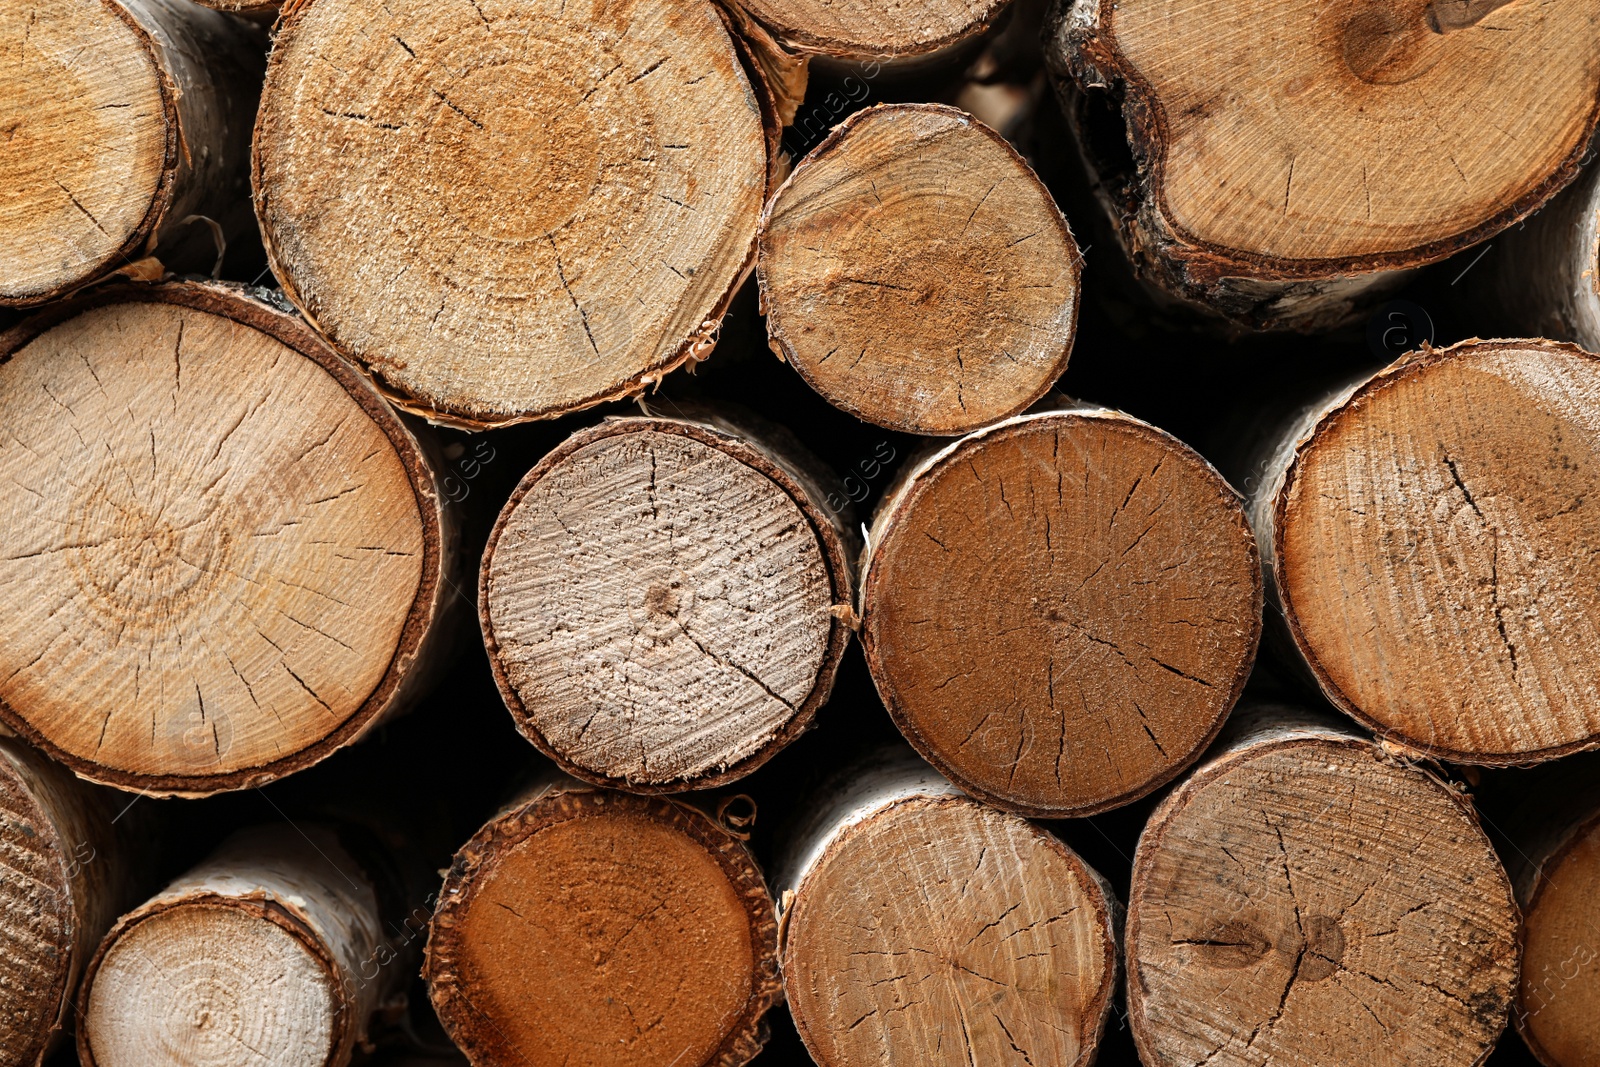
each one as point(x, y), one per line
point(264, 11)
point(921, 926)
point(123, 119)
point(916, 273)
point(64, 879)
point(1280, 178)
point(552, 204)
point(1303, 899)
point(1059, 611)
point(227, 556)
point(611, 929)
point(873, 30)
point(264, 953)
point(665, 601)
point(1430, 562)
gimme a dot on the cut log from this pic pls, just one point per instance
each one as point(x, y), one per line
point(920, 926)
point(665, 601)
point(122, 119)
point(226, 555)
point(265, 11)
point(916, 273)
point(551, 204)
point(1060, 611)
point(64, 879)
point(1429, 560)
point(268, 952)
point(1278, 178)
point(1303, 899)
point(874, 30)
point(607, 929)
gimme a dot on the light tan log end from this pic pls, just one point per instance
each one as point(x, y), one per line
point(1060, 611)
point(873, 29)
point(917, 274)
point(605, 929)
point(657, 598)
point(1558, 1005)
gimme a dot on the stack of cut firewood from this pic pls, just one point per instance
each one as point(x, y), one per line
point(565, 534)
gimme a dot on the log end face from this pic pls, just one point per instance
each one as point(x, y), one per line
point(873, 29)
point(1558, 1004)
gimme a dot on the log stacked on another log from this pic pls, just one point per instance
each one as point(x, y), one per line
point(872, 30)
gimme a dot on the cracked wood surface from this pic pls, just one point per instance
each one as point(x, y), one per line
point(917, 274)
point(263, 954)
point(1060, 611)
point(226, 553)
point(1430, 535)
point(1278, 149)
point(921, 926)
point(872, 29)
point(118, 119)
point(658, 601)
point(510, 210)
point(589, 926)
point(1301, 899)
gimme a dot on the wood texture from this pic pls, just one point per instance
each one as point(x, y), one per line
point(659, 602)
point(872, 29)
point(603, 928)
point(510, 211)
point(921, 926)
point(917, 274)
point(64, 879)
point(1431, 560)
point(121, 119)
point(1275, 175)
point(1060, 611)
point(1304, 899)
point(226, 556)
point(256, 956)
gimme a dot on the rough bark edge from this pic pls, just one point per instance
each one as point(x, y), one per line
point(777, 338)
point(799, 43)
point(1250, 740)
point(422, 643)
point(1095, 889)
point(794, 483)
point(1080, 46)
point(263, 11)
point(784, 73)
point(550, 806)
point(901, 496)
point(1274, 505)
point(694, 349)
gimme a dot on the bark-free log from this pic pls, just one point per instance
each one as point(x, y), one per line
point(917, 274)
point(661, 600)
point(1429, 536)
point(872, 29)
point(921, 926)
point(606, 929)
point(64, 879)
point(1285, 156)
point(225, 555)
point(1060, 611)
point(263, 954)
point(1302, 899)
point(121, 119)
point(510, 210)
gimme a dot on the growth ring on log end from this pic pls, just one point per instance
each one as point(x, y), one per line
point(617, 930)
point(510, 210)
point(1303, 900)
point(917, 274)
point(223, 552)
point(1432, 544)
point(658, 599)
point(1558, 1004)
point(1060, 611)
point(872, 29)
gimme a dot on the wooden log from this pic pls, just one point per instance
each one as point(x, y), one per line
point(1279, 178)
point(264, 11)
point(617, 930)
point(916, 273)
point(665, 601)
point(123, 120)
point(552, 204)
point(1428, 559)
point(921, 926)
point(64, 879)
point(876, 31)
point(226, 556)
point(1304, 899)
point(266, 952)
point(1059, 611)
